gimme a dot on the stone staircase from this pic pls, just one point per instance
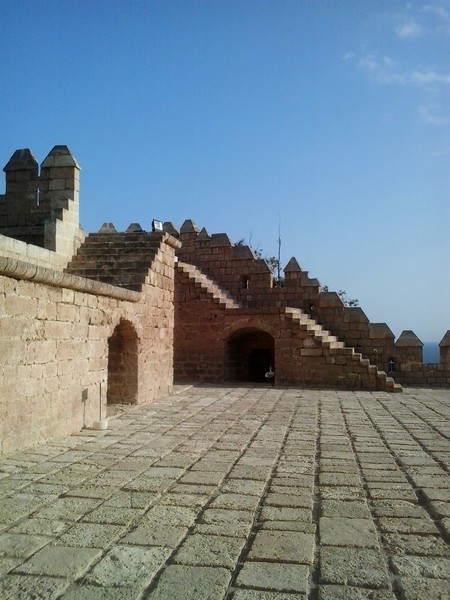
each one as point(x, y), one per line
point(328, 340)
point(202, 281)
point(121, 259)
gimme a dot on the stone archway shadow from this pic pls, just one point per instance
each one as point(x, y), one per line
point(123, 348)
point(249, 353)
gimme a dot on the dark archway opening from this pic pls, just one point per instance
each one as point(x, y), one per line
point(249, 355)
point(123, 364)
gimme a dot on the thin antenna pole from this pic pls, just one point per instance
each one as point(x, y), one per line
point(279, 249)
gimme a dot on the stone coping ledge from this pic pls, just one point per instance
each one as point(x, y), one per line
point(19, 269)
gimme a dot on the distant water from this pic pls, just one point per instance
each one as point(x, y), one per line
point(430, 352)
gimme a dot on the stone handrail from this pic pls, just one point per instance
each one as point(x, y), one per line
point(19, 269)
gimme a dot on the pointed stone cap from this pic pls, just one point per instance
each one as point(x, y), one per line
point(242, 252)
point(107, 228)
point(220, 239)
point(169, 227)
point(21, 159)
point(189, 227)
point(445, 340)
point(203, 235)
point(292, 266)
point(408, 338)
point(134, 228)
point(355, 314)
point(261, 266)
point(380, 331)
point(60, 156)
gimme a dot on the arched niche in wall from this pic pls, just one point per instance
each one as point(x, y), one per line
point(249, 354)
point(123, 364)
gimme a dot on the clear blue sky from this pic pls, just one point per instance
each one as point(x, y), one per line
point(330, 116)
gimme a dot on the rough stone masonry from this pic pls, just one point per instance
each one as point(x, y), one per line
point(88, 321)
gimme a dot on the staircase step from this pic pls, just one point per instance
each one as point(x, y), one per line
point(202, 281)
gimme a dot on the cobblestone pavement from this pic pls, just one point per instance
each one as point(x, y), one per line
point(237, 493)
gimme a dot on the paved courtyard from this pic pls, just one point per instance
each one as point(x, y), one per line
point(237, 493)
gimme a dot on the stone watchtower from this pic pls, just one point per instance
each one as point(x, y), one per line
point(42, 209)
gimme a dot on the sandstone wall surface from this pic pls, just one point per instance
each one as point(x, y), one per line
point(54, 352)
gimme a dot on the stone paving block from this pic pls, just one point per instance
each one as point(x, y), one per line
point(166, 472)
point(125, 499)
point(38, 527)
point(59, 561)
point(38, 487)
point(155, 535)
point(19, 506)
point(235, 501)
point(398, 508)
point(282, 546)
point(169, 515)
point(248, 487)
point(283, 577)
point(286, 470)
point(407, 525)
point(275, 513)
point(422, 566)
point(350, 468)
point(203, 477)
point(384, 476)
point(433, 494)
point(342, 493)
point(343, 592)
point(340, 479)
point(352, 509)
point(21, 545)
point(288, 500)
point(341, 531)
point(90, 491)
point(67, 509)
point(352, 566)
point(16, 587)
point(420, 545)
point(387, 493)
point(192, 488)
point(293, 480)
point(209, 551)
point(175, 499)
point(181, 582)
point(128, 566)
point(441, 509)
point(90, 535)
point(246, 472)
point(112, 515)
point(300, 526)
point(176, 459)
point(416, 588)
point(211, 466)
point(142, 483)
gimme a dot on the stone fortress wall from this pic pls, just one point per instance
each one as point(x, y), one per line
point(109, 317)
point(71, 344)
point(249, 281)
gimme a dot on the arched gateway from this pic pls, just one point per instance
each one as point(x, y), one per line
point(249, 354)
point(123, 364)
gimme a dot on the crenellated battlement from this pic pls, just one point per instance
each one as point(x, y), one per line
point(41, 206)
point(249, 280)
